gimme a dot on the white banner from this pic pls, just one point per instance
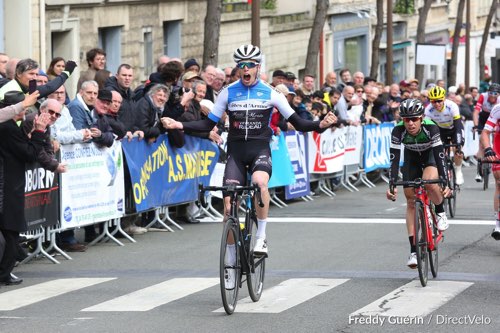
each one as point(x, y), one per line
point(471, 141)
point(353, 144)
point(327, 151)
point(93, 188)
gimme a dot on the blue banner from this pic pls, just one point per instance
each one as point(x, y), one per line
point(377, 143)
point(282, 167)
point(297, 148)
point(162, 175)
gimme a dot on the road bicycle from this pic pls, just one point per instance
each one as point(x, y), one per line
point(451, 201)
point(427, 235)
point(239, 235)
point(485, 166)
point(482, 162)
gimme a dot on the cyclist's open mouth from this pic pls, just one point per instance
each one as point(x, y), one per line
point(247, 77)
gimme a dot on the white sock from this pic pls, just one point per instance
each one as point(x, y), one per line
point(230, 254)
point(261, 230)
point(458, 167)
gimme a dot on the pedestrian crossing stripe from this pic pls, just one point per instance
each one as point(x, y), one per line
point(15, 299)
point(156, 295)
point(286, 295)
point(410, 300)
point(413, 300)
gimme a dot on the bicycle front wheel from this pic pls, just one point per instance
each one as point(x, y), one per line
point(486, 175)
point(230, 267)
point(452, 201)
point(421, 243)
point(257, 264)
point(434, 254)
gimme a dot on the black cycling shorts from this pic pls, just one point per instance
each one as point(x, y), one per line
point(447, 135)
point(415, 163)
point(246, 157)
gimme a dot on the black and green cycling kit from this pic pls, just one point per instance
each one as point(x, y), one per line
point(418, 150)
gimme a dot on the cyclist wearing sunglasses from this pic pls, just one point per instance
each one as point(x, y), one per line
point(249, 103)
point(484, 105)
point(492, 155)
point(446, 114)
point(423, 158)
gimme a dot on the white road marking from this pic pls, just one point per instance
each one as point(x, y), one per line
point(287, 294)
point(413, 300)
point(156, 295)
point(15, 299)
point(341, 220)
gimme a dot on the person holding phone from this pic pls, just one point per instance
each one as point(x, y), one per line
point(26, 71)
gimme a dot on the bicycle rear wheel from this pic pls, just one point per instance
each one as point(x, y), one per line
point(421, 243)
point(257, 264)
point(434, 254)
point(452, 201)
point(229, 290)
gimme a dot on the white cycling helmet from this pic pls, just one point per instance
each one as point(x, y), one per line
point(247, 52)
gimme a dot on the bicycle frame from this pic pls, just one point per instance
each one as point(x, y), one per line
point(421, 195)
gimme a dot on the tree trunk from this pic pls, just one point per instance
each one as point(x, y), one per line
point(452, 71)
point(422, 19)
point(212, 29)
point(486, 32)
point(314, 40)
point(379, 28)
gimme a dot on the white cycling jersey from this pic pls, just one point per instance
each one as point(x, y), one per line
point(445, 117)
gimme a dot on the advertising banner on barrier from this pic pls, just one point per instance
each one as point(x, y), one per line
point(93, 187)
point(296, 143)
point(353, 145)
point(162, 175)
point(471, 140)
point(282, 167)
point(326, 151)
point(377, 144)
point(41, 193)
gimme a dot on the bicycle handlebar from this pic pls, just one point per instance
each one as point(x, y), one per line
point(485, 161)
point(231, 189)
point(416, 183)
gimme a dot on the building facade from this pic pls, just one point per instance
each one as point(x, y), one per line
point(138, 32)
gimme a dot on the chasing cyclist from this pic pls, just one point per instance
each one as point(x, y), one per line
point(484, 105)
point(446, 115)
point(492, 155)
point(249, 103)
point(423, 158)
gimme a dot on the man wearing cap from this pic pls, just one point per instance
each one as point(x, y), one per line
point(290, 79)
point(10, 110)
point(15, 151)
point(192, 65)
point(187, 80)
point(279, 77)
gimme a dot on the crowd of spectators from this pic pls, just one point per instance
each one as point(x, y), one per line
point(107, 107)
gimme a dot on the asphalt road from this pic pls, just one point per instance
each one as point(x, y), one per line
point(335, 265)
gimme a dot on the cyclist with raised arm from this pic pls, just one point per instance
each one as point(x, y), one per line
point(484, 105)
point(493, 154)
point(446, 115)
point(249, 103)
point(423, 158)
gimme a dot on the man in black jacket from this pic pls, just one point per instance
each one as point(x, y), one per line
point(17, 150)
